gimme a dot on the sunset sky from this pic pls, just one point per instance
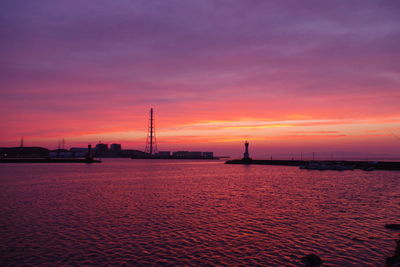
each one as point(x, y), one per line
point(286, 75)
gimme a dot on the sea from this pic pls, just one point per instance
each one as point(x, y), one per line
point(125, 212)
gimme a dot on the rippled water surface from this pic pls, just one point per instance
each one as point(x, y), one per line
point(154, 212)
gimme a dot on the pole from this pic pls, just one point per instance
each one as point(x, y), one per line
point(151, 131)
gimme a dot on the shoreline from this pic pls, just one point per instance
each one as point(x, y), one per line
point(48, 160)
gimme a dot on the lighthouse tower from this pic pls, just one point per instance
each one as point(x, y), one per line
point(246, 152)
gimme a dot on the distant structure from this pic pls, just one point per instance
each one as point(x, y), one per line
point(246, 151)
point(101, 148)
point(152, 152)
point(89, 156)
point(164, 154)
point(192, 155)
point(151, 145)
point(115, 148)
point(80, 151)
point(22, 142)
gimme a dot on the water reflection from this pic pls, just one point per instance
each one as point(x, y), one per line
point(194, 213)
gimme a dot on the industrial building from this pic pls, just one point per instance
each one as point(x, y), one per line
point(116, 148)
point(192, 155)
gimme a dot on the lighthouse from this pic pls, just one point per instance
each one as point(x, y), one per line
point(246, 156)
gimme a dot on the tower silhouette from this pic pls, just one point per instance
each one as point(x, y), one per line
point(246, 156)
point(151, 145)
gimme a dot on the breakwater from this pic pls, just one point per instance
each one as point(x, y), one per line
point(48, 160)
point(363, 165)
point(178, 158)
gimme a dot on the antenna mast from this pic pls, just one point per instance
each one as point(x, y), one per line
point(151, 145)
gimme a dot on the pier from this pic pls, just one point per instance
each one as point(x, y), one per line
point(362, 165)
point(339, 165)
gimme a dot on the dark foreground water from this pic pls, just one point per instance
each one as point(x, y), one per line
point(143, 212)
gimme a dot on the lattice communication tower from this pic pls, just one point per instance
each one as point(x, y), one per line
point(151, 144)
